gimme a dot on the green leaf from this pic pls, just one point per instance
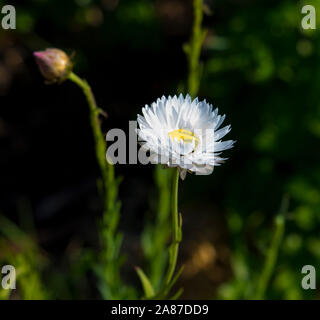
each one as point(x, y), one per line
point(147, 287)
point(177, 294)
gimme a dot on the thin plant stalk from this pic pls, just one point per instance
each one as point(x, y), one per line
point(108, 187)
point(273, 251)
point(176, 229)
point(193, 49)
point(156, 233)
point(100, 143)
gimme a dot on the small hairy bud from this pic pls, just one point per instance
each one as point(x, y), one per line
point(54, 64)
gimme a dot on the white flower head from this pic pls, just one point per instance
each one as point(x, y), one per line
point(183, 133)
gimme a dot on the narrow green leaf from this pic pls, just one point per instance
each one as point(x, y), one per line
point(177, 294)
point(147, 287)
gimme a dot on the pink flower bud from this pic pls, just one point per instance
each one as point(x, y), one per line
point(54, 64)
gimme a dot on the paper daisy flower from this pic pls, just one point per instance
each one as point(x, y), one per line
point(183, 133)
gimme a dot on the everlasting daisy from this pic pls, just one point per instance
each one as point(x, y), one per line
point(183, 133)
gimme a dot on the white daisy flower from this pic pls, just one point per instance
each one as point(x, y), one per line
point(183, 133)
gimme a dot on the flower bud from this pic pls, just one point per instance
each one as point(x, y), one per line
point(54, 64)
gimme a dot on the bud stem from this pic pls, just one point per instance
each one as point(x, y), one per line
point(111, 238)
point(100, 143)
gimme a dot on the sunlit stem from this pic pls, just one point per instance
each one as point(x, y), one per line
point(107, 172)
point(176, 229)
point(108, 188)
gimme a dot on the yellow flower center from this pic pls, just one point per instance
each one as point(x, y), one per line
point(185, 135)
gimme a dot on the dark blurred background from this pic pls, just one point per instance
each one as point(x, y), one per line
point(260, 68)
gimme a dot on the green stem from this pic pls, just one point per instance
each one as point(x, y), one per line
point(193, 49)
point(108, 189)
point(100, 143)
point(176, 229)
point(156, 234)
point(273, 251)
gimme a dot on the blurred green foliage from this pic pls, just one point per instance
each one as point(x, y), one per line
point(21, 251)
point(268, 74)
